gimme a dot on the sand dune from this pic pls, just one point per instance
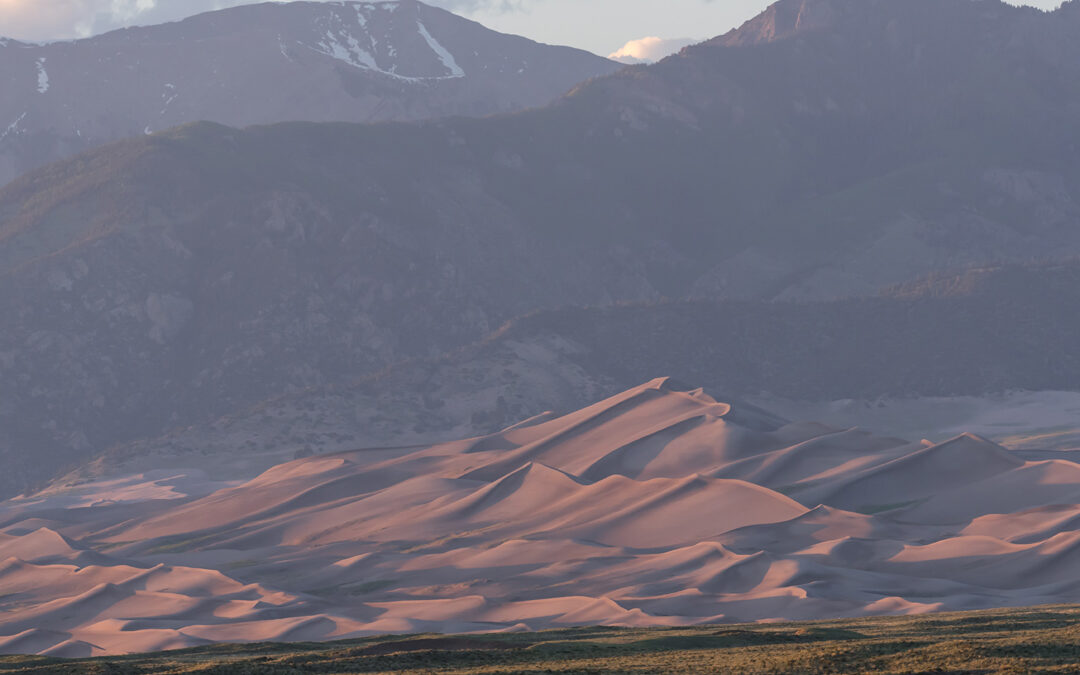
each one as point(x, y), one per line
point(660, 506)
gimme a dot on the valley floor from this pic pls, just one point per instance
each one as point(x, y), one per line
point(1039, 639)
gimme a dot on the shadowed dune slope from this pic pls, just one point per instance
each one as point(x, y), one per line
point(660, 506)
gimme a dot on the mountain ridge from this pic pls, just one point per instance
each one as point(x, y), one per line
point(239, 265)
point(558, 360)
point(781, 20)
point(355, 61)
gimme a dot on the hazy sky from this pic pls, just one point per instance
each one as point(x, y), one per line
point(601, 26)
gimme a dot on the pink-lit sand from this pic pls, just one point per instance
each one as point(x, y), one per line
point(660, 506)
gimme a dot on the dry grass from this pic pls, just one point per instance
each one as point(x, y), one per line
point(1043, 639)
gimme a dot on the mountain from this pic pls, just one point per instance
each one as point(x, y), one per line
point(270, 62)
point(167, 281)
point(981, 333)
point(660, 506)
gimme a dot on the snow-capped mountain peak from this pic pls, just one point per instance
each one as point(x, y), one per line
point(266, 63)
point(388, 38)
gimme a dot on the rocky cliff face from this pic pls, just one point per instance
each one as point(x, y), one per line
point(257, 64)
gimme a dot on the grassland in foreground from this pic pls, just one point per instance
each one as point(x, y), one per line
point(1033, 640)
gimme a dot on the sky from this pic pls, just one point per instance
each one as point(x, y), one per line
point(601, 26)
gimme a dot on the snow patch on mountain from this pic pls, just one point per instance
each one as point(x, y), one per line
point(42, 76)
point(340, 42)
point(345, 47)
point(284, 49)
point(168, 97)
point(352, 41)
point(445, 56)
point(13, 128)
point(365, 8)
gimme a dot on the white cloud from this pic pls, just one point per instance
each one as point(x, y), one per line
point(469, 6)
point(35, 20)
point(596, 24)
point(649, 49)
point(62, 19)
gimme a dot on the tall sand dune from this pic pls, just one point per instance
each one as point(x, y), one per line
point(659, 506)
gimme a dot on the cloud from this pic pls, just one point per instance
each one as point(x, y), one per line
point(60, 19)
point(34, 20)
point(649, 49)
point(470, 6)
point(63, 19)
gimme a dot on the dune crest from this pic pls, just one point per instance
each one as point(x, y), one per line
point(659, 506)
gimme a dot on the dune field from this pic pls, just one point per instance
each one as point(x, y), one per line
point(658, 507)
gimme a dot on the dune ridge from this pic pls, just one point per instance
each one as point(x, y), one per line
point(657, 507)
